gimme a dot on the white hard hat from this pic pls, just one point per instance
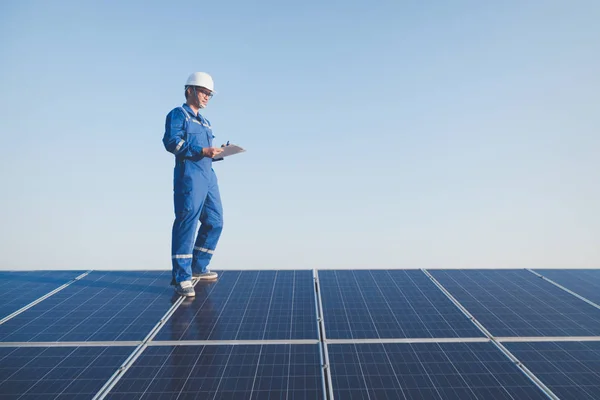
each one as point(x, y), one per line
point(201, 79)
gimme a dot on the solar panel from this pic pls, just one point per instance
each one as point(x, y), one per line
point(247, 305)
point(390, 334)
point(570, 369)
point(389, 304)
point(584, 282)
point(224, 372)
point(102, 306)
point(57, 372)
point(518, 303)
point(38, 284)
point(427, 371)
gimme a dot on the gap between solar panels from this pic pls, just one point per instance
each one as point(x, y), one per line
point(104, 390)
point(564, 288)
point(499, 345)
point(33, 303)
point(325, 364)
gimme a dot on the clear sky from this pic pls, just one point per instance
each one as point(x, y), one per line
point(379, 134)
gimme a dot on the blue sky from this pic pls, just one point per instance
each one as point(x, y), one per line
point(379, 134)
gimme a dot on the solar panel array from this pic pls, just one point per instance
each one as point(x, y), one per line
point(327, 334)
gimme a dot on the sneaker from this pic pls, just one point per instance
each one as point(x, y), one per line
point(185, 288)
point(208, 275)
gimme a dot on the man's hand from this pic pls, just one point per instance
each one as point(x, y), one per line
point(211, 151)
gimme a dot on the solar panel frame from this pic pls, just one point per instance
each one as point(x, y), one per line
point(517, 303)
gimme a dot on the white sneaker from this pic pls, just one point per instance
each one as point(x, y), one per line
point(185, 288)
point(208, 275)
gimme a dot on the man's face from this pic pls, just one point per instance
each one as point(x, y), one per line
point(203, 96)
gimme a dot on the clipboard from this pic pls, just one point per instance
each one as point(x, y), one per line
point(228, 150)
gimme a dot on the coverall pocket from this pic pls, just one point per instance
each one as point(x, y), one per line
point(183, 202)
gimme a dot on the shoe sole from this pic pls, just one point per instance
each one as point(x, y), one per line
point(198, 278)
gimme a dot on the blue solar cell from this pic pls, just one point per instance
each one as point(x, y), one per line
point(102, 306)
point(38, 284)
point(247, 305)
point(57, 372)
point(388, 304)
point(427, 371)
point(518, 303)
point(584, 282)
point(224, 372)
point(570, 369)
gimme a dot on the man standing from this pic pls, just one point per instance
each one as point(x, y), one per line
point(188, 135)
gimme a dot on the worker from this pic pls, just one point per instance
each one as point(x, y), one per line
point(188, 135)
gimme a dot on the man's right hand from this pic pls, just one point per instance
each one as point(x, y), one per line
point(211, 151)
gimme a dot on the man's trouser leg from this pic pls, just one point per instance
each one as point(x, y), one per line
point(211, 220)
point(188, 207)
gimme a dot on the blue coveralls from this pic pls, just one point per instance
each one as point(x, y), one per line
point(196, 193)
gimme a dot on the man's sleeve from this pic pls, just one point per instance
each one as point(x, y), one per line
point(174, 138)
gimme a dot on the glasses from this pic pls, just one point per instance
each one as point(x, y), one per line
point(204, 91)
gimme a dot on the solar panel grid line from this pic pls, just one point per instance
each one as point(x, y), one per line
point(526, 371)
point(376, 330)
point(517, 303)
point(389, 304)
point(453, 367)
point(256, 371)
point(225, 303)
point(473, 318)
point(42, 298)
point(112, 381)
point(412, 307)
point(324, 351)
point(499, 345)
point(81, 372)
point(242, 305)
point(429, 371)
point(430, 302)
point(187, 378)
point(222, 375)
point(458, 305)
point(65, 372)
point(256, 278)
point(99, 307)
point(492, 313)
point(112, 318)
point(39, 283)
point(564, 288)
point(569, 368)
point(224, 372)
point(347, 320)
point(264, 333)
point(386, 303)
point(46, 374)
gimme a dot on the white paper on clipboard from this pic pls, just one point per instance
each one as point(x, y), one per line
point(229, 150)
